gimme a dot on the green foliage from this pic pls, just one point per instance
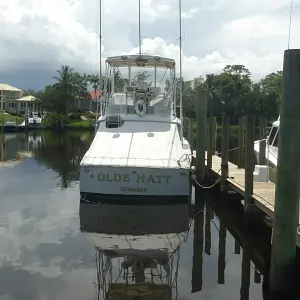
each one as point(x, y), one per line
point(75, 116)
point(53, 120)
point(10, 117)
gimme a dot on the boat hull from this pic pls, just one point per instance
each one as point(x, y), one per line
point(147, 185)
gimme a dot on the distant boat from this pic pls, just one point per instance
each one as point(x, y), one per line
point(34, 120)
point(9, 126)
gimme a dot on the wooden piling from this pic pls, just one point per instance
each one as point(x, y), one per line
point(241, 143)
point(287, 193)
point(262, 143)
point(191, 133)
point(210, 142)
point(214, 124)
point(249, 161)
point(224, 152)
point(201, 108)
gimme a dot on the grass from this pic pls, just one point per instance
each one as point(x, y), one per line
point(79, 124)
point(7, 117)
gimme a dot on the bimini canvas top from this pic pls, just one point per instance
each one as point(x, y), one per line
point(141, 61)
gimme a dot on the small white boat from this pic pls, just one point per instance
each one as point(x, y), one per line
point(271, 153)
point(34, 118)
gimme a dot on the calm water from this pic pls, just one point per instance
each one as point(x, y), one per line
point(49, 239)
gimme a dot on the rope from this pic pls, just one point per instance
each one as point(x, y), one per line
point(236, 148)
point(207, 187)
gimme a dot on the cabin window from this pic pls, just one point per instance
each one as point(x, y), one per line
point(114, 122)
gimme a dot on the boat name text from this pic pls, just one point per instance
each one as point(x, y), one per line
point(136, 178)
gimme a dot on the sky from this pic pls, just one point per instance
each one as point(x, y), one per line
point(38, 36)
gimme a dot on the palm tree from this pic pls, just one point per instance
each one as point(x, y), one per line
point(82, 89)
point(66, 83)
point(94, 81)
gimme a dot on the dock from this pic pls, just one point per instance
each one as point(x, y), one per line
point(263, 192)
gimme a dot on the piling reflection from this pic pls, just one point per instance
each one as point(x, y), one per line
point(137, 248)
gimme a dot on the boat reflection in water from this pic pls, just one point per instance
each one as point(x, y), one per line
point(137, 248)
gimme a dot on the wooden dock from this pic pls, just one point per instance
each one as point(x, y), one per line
point(263, 192)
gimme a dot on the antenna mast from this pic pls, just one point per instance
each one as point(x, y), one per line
point(100, 36)
point(140, 38)
point(180, 72)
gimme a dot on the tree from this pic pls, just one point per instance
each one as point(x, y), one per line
point(271, 87)
point(66, 85)
point(95, 81)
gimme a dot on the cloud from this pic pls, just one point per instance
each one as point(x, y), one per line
point(38, 35)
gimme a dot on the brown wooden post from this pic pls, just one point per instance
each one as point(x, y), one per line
point(191, 133)
point(241, 143)
point(210, 142)
point(286, 214)
point(201, 110)
point(224, 153)
point(214, 134)
point(249, 161)
point(262, 143)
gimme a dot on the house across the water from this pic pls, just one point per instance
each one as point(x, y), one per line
point(12, 100)
point(89, 103)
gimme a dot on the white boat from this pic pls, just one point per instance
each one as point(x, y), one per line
point(10, 126)
point(138, 148)
point(34, 119)
point(271, 153)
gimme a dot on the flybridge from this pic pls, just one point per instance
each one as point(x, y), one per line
point(141, 61)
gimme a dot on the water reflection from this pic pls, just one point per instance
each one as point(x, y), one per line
point(60, 152)
point(201, 253)
point(137, 248)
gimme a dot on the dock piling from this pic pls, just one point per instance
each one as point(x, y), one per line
point(249, 161)
point(262, 143)
point(241, 142)
point(214, 124)
point(201, 109)
point(287, 192)
point(224, 152)
point(191, 133)
point(210, 142)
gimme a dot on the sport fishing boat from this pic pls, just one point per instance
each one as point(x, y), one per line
point(138, 149)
